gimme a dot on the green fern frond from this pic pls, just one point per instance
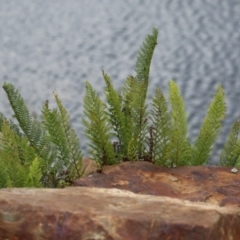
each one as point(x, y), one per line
point(139, 117)
point(127, 105)
point(10, 158)
point(97, 127)
point(180, 152)
point(233, 159)
point(33, 130)
point(160, 131)
point(34, 175)
point(73, 143)
point(145, 56)
point(53, 125)
point(11, 124)
point(3, 175)
point(210, 129)
point(132, 151)
point(231, 150)
point(116, 114)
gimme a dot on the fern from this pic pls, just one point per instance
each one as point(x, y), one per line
point(145, 56)
point(32, 129)
point(47, 153)
point(139, 113)
point(132, 153)
point(11, 124)
point(52, 141)
point(210, 129)
point(231, 152)
point(179, 149)
point(34, 176)
point(15, 158)
point(160, 131)
point(116, 115)
point(139, 117)
point(53, 125)
point(97, 128)
point(127, 96)
point(73, 144)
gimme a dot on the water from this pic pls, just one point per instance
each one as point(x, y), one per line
point(59, 45)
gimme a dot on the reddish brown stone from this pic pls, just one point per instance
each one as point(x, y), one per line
point(97, 213)
point(215, 185)
point(89, 165)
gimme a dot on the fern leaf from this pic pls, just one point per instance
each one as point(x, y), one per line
point(52, 123)
point(180, 147)
point(34, 176)
point(139, 117)
point(12, 125)
point(9, 157)
point(132, 152)
point(145, 56)
point(139, 113)
point(73, 142)
point(233, 159)
point(127, 106)
point(116, 115)
point(228, 156)
point(97, 127)
point(3, 174)
point(160, 131)
point(210, 129)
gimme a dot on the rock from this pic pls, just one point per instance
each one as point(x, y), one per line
point(89, 165)
point(98, 213)
point(215, 185)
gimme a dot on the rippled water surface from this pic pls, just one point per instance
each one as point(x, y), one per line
point(59, 45)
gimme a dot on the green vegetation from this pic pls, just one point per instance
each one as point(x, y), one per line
point(42, 154)
point(47, 153)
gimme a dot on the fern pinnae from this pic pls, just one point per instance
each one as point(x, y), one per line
point(53, 125)
point(116, 115)
point(127, 105)
point(34, 175)
point(73, 142)
point(139, 113)
point(11, 124)
point(145, 56)
point(9, 156)
point(180, 147)
point(210, 129)
point(139, 117)
point(229, 154)
point(161, 129)
point(97, 127)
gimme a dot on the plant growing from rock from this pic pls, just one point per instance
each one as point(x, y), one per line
point(47, 153)
point(43, 153)
point(158, 135)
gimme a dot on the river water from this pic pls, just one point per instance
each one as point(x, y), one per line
point(48, 45)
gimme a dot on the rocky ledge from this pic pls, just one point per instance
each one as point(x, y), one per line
point(150, 203)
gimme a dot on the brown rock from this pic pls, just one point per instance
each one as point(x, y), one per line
point(215, 185)
point(89, 165)
point(95, 213)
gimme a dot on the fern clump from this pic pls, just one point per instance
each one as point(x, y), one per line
point(38, 153)
point(159, 135)
point(47, 153)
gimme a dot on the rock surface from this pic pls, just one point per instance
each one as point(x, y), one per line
point(215, 185)
point(97, 213)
